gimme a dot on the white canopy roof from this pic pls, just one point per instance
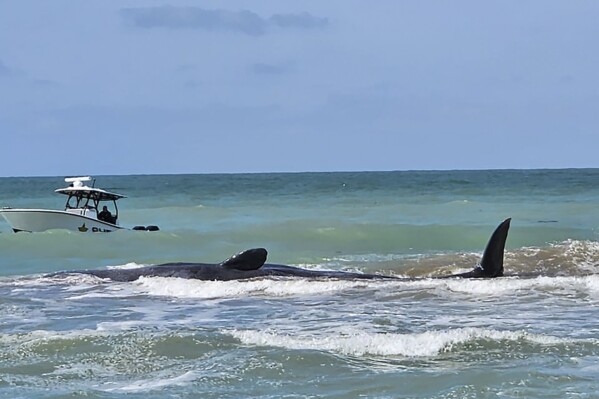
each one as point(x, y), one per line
point(79, 190)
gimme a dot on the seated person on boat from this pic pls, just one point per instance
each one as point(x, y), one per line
point(106, 216)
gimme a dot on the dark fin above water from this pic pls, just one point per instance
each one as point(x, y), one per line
point(491, 264)
point(252, 259)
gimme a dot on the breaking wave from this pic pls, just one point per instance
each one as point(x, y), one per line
point(429, 343)
point(267, 287)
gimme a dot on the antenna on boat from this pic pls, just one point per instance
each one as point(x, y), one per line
point(77, 181)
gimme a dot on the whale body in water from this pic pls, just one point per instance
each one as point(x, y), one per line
point(252, 264)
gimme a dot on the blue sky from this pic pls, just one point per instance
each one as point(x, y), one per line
point(128, 87)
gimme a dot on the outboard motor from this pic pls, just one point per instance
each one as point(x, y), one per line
point(146, 228)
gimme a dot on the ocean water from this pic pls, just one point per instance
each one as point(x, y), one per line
point(533, 333)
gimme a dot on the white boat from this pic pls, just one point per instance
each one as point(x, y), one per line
point(81, 213)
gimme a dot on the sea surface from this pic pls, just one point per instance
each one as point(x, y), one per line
point(532, 334)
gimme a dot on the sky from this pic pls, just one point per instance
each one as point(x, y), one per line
point(152, 87)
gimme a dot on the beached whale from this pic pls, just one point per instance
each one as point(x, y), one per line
point(251, 264)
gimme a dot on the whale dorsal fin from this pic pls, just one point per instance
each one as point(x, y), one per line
point(252, 259)
point(491, 264)
point(492, 260)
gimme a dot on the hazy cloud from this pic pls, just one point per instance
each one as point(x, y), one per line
point(246, 22)
point(193, 84)
point(303, 20)
point(45, 83)
point(271, 69)
point(4, 70)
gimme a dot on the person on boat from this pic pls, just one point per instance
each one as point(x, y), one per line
point(105, 215)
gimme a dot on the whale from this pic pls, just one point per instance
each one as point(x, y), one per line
point(251, 264)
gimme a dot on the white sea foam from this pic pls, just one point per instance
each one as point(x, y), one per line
point(71, 279)
point(485, 287)
point(38, 336)
point(583, 253)
point(155, 383)
point(429, 343)
point(503, 286)
point(130, 265)
point(115, 290)
point(182, 288)
point(121, 325)
point(80, 370)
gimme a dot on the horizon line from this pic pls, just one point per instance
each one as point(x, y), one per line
point(304, 172)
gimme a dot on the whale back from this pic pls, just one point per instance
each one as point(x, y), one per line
point(251, 259)
point(491, 265)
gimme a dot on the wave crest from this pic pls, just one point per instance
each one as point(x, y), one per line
point(429, 343)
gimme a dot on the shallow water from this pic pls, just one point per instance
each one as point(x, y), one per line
point(532, 334)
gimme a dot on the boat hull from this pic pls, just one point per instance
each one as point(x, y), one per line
point(36, 220)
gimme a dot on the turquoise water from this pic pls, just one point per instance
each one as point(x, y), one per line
point(532, 334)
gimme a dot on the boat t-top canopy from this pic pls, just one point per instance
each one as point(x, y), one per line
point(77, 189)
